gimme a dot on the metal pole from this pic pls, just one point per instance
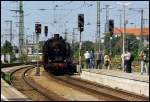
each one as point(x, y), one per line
point(120, 28)
point(37, 46)
point(80, 46)
point(10, 32)
point(106, 29)
point(73, 39)
point(120, 19)
point(21, 27)
point(98, 25)
point(124, 36)
point(106, 23)
point(141, 35)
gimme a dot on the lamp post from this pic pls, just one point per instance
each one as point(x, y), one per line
point(141, 10)
point(124, 31)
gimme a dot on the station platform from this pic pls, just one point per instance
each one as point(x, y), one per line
point(131, 82)
point(8, 93)
point(8, 70)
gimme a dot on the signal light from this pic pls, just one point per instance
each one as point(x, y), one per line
point(46, 30)
point(81, 22)
point(38, 28)
point(111, 27)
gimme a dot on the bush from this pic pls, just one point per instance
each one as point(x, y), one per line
point(23, 58)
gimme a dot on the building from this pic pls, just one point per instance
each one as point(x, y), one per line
point(136, 32)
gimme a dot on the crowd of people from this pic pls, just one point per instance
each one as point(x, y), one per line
point(99, 57)
point(102, 60)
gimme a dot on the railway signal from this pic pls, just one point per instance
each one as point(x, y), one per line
point(38, 28)
point(46, 30)
point(81, 28)
point(111, 27)
point(38, 32)
point(81, 22)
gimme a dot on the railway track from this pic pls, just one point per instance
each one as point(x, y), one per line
point(34, 92)
point(100, 91)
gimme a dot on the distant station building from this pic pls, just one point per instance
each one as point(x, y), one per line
point(136, 32)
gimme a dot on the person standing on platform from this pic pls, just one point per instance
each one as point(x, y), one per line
point(98, 57)
point(130, 63)
point(87, 58)
point(110, 60)
point(91, 59)
point(127, 64)
point(107, 61)
point(144, 62)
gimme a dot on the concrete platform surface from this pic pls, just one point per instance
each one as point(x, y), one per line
point(131, 82)
point(8, 93)
point(121, 74)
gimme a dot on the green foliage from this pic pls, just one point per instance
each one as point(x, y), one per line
point(116, 44)
point(6, 77)
point(7, 48)
point(41, 44)
point(23, 58)
point(131, 44)
point(107, 42)
point(88, 46)
point(13, 58)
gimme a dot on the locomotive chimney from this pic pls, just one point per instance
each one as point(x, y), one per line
point(56, 35)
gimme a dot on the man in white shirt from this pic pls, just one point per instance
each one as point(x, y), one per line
point(127, 57)
point(87, 58)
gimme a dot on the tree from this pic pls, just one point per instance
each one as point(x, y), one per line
point(86, 46)
point(116, 45)
point(23, 58)
point(7, 48)
point(131, 45)
point(107, 42)
point(41, 44)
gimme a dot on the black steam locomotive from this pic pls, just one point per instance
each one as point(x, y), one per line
point(56, 56)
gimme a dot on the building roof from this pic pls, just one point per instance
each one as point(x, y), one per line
point(132, 31)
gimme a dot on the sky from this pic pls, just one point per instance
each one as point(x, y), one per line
point(66, 15)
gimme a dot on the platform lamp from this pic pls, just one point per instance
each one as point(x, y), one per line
point(124, 31)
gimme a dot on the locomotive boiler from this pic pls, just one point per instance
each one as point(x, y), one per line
point(57, 56)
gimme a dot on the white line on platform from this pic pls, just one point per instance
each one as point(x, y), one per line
point(3, 97)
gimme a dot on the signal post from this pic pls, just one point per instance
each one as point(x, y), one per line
point(81, 28)
point(38, 32)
